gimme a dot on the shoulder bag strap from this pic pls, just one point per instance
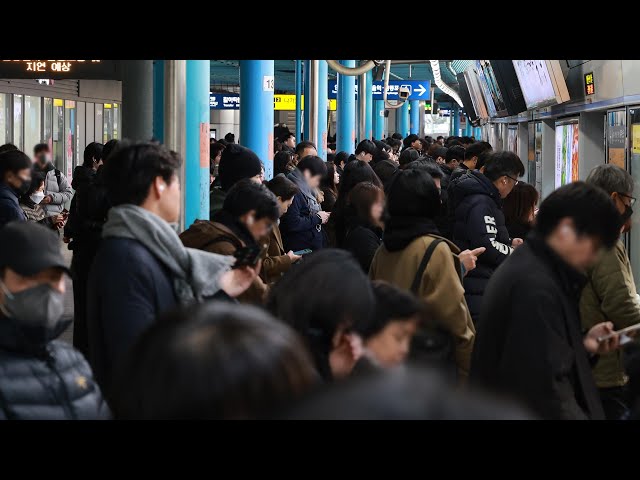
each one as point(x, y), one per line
point(423, 265)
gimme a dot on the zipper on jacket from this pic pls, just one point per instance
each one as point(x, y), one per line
point(66, 404)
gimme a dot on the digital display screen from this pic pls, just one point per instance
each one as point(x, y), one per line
point(589, 85)
point(535, 82)
point(492, 94)
point(59, 69)
point(566, 154)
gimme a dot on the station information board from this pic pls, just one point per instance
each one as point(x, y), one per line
point(61, 69)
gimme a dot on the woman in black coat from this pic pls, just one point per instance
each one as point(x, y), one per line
point(363, 222)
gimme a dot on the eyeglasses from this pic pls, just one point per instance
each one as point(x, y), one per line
point(515, 180)
point(632, 200)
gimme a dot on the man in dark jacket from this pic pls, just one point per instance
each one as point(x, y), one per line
point(40, 378)
point(479, 221)
point(15, 180)
point(471, 155)
point(142, 269)
point(454, 156)
point(236, 163)
point(301, 226)
point(529, 343)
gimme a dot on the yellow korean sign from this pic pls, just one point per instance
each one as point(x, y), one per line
point(288, 102)
point(635, 138)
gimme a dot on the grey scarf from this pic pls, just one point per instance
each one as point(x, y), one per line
point(195, 272)
point(297, 177)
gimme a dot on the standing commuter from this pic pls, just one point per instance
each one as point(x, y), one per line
point(15, 180)
point(57, 190)
point(530, 344)
point(471, 155)
point(610, 294)
point(479, 221)
point(412, 141)
point(30, 204)
point(301, 226)
point(365, 151)
point(141, 268)
point(519, 210)
point(41, 378)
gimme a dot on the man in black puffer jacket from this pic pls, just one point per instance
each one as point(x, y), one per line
point(479, 221)
point(40, 378)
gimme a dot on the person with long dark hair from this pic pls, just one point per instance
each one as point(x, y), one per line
point(519, 209)
point(329, 187)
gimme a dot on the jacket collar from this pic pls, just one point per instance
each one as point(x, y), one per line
point(571, 280)
point(236, 227)
point(16, 337)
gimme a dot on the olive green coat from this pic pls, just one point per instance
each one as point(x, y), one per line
point(610, 296)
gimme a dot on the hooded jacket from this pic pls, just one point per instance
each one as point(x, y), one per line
point(479, 222)
point(224, 235)
point(9, 206)
point(529, 342)
point(60, 193)
point(397, 262)
point(45, 379)
point(88, 212)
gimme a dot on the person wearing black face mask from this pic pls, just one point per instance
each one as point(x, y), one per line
point(41, 378)
point(610, 294)
point(15, 180)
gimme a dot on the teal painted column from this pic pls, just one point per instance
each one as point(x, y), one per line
point(402, 120)
point(414, 117)
point(306, 135)
point(196, 185)
point(477, 133)
point(456, 120)
point(346, 123)
point(298, 101)
point(368, 126)
point(158, 100)
point(378, 119)
point(468, 130)
point(256, 110)
point(323, 106)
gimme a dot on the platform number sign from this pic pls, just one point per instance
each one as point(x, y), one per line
point(268, 83)
point(589, 85)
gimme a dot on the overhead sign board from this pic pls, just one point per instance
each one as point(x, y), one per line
point(61, 69)
point(288, 102)
point(419, 89)
point(224, 101)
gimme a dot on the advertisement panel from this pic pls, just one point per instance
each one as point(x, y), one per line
point(566, 154)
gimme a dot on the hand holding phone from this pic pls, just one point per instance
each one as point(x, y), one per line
point(306, 251)
point(624, 331)
point(247, 256)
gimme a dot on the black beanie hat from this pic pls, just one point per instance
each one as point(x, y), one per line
point(236, 163)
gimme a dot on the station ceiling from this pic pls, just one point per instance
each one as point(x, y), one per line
point(225, 74)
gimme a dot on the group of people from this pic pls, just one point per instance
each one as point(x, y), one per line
point(304, 296)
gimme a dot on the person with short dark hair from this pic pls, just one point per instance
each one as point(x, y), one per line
point(385, 170)
point(365, 206)
point(440, 140)
point(57, 190)
point(407, 156)
point(610, 293)
point(397, 136)
point(230, 138)
point(247, 216)
point(278, 261)
point(41, 378)
point(212, 362)
point(305, 149)
point(466, 141)
point(340, 161)
point(365, 151)
point(482, 158)
point(412, 141)
point(355, 172)
point(331, 319)
point(387, 337)
point(470, 162)
point(29, 202)
point(479, 220)
point(410, 237)
point(381, 153)
point(301, 226)
point(236, 162)
point(141, 268)
point(530, 344)
point(7, 147)
point(15, 180)
point(519, 210)
point(289, 141)
point(395, 145)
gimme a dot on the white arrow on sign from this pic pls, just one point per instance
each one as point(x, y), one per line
point(420, 88)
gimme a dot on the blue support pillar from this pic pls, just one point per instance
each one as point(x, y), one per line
point(477, 133)
point(402, 120)
point(346, 123)
point(305, 112)
point(468, 130)
point(414, 117)
point(323, 106)
point(298, 101)
point(158, 100)
point(196, 185)
point(378, 119)
point(368, 123)
point(456, 120)
point(256, 110)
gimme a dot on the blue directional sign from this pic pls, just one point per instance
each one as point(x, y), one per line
point(420, 89)
point(224, 101)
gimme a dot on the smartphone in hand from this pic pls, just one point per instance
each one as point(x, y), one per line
point(247, 256)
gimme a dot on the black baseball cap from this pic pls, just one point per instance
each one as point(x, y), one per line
point(29, 248)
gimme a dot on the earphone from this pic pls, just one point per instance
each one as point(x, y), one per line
point(161, 188)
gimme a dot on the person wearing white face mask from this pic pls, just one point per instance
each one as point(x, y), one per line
point(41, 378)
point(57, 191)
point(30, 204)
